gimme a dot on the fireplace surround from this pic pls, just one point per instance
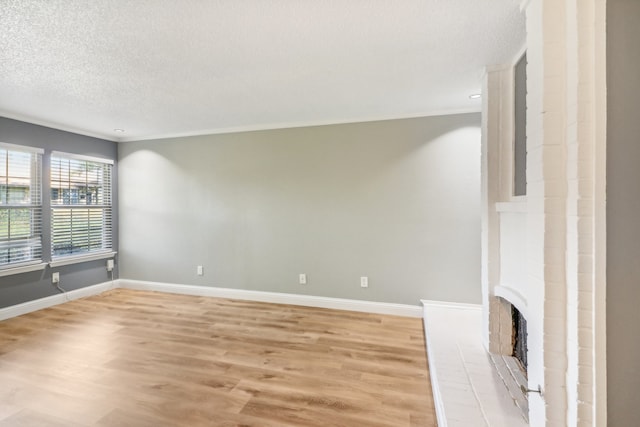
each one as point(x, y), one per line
point(540, 251)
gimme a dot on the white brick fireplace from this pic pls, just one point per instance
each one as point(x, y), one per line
point(541, 252)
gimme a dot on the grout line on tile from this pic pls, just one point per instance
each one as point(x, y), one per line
point(473, 389)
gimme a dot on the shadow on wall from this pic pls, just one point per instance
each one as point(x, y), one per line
point(397, 201)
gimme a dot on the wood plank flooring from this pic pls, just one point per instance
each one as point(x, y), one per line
point(132, 358)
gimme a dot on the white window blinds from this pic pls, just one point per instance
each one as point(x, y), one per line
point(20, 205)
point(81, 214)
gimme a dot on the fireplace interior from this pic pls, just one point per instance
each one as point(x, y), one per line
point(511, 361)
point(519, 338)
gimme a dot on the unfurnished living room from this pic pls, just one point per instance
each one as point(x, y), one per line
point(319, 213)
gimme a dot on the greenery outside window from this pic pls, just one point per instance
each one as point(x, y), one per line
point(81, 205)
point(20, 205)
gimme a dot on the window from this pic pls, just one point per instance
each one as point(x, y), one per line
point(20, 205)
point(520, 119)
point(80, 205)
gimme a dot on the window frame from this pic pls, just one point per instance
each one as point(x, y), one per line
point(106, 208)
point(35, 207)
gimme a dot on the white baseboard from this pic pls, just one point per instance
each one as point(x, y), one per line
point(206, 291)
point(447, 304)
point(278, 298)
point(30, 306)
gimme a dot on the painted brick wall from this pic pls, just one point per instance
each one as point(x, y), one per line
point(565, 169)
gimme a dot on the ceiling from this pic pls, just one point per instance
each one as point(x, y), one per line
point(162, 68)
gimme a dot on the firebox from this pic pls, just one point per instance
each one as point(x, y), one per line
point(519, 338)
point(509, 353)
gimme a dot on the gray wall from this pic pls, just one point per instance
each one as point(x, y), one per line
point(397, 201)
point(24, 287)
point(623, 212)
point(520, 128)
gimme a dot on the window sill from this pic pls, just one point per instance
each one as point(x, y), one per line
point(23, 269)
point(68, 260)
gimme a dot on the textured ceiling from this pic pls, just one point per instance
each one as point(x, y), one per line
point(159, 68)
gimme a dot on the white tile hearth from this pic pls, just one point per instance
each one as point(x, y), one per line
point(468, 391)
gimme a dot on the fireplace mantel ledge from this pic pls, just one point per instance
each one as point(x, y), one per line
point(467, 390)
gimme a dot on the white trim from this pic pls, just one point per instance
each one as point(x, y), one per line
point(276, 297)
point(447, 304)
point(68, 260)
point(311, 123)
point(22, 269)
point(518, 56)
point(236, 129)
point(524, 4)
point(82, 157)
point(438, 401)
point(23, 148)
point(39, 304)
point(206, 291)
point(54, 125)
point(513, 297)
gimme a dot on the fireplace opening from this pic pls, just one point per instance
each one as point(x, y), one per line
point(510, 357)
point(519, 338)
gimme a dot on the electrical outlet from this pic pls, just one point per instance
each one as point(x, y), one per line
point(200, 270)
point(109, 265)
point(302, 279)
point(55, 277)
point(364, 282)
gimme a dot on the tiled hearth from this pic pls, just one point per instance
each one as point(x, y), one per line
point(468, 390)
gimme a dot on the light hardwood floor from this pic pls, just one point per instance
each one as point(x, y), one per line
point(132, 358)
